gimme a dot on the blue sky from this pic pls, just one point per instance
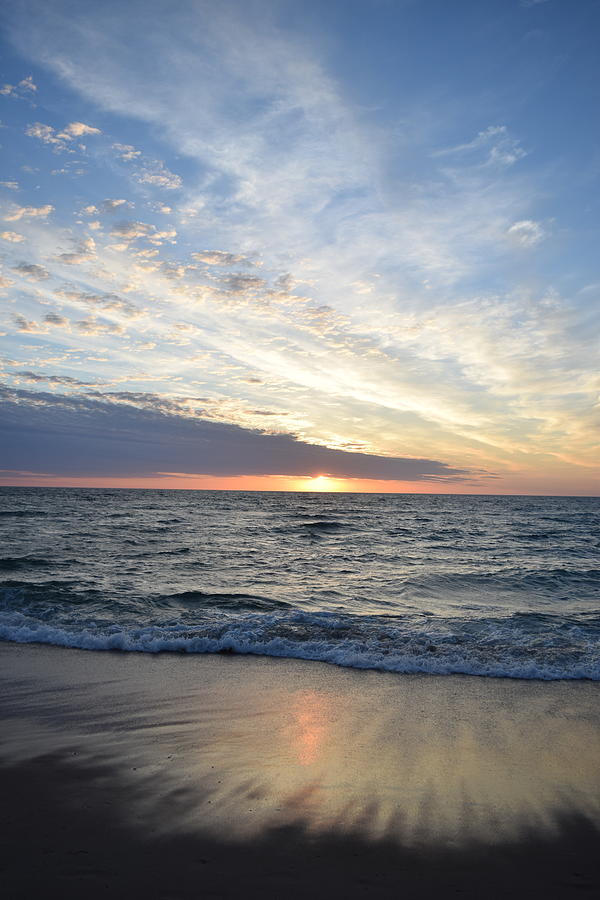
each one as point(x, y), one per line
point(367, 227)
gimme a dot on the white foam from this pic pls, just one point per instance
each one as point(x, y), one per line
point(409, 653)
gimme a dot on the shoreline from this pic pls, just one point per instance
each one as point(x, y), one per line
point(189, 776)
point(445, 668)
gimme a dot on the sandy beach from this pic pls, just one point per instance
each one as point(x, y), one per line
point(131, 775)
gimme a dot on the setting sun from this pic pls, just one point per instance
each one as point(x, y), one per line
point(323, 483)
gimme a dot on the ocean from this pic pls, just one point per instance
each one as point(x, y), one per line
point(486, 586)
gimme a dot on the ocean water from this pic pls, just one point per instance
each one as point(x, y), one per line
point(487, 586)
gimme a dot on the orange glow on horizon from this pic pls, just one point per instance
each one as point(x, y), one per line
point(189, 481)
point(301, 483)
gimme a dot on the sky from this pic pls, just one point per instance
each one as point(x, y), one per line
point(290, 245)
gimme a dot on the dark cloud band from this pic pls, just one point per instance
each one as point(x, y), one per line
point(85, 435)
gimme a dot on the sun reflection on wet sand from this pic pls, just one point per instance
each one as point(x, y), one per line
point(239, 746)
point(310, 710)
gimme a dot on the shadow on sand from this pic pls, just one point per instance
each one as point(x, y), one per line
point(68, 832)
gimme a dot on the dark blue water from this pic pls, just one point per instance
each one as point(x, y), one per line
point(504, 586)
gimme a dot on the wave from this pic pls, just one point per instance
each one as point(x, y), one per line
point(525, 646)
point(315, 527)
point(520, 581)
point(175, 551)
point(22, 513)
point(443, 534)
point(325, 524)
point(60, 597)
point(14, 563)
point(225, 600)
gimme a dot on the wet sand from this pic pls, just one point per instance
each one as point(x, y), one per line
point(130, 775)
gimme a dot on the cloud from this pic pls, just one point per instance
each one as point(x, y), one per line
point(159, 176)
point(29, 212)
point(46, 134)
point(495, 141)
point(56, 320)
point(63, 380)
point(79, 129)
point(12, 237)
point(159, 237)
point(131, 231)
point(126, 152)
point(91, 327)
point(60, 140)
point(84, 252)
point(112, 203)
point(127, 232)
point(526, 233)
point(67, 434)
point(32, 271)
point(20, 91)
point(24, 325)
point(219, 258)
point(10, 185)
point(107, 302)
point(148, 171)
point(239, 283)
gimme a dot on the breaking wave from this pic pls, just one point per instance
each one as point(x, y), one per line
point(518, 646)
point(417, 584)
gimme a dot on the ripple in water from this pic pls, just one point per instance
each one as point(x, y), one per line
point(489, 586)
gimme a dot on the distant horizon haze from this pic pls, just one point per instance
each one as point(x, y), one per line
point(276, 484)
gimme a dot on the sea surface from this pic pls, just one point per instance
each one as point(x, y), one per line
point(487, 586)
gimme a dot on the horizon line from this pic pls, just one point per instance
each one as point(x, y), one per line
point(70, 487)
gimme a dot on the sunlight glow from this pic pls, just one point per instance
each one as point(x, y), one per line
point(324, 483)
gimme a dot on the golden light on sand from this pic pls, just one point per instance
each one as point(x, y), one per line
point(309, 728)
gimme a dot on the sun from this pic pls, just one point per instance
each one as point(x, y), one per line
point(321, 483)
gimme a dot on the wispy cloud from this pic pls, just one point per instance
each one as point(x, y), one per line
point(526, 233)
point(494, 146)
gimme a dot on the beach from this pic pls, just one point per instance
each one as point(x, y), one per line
point(139, 775)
